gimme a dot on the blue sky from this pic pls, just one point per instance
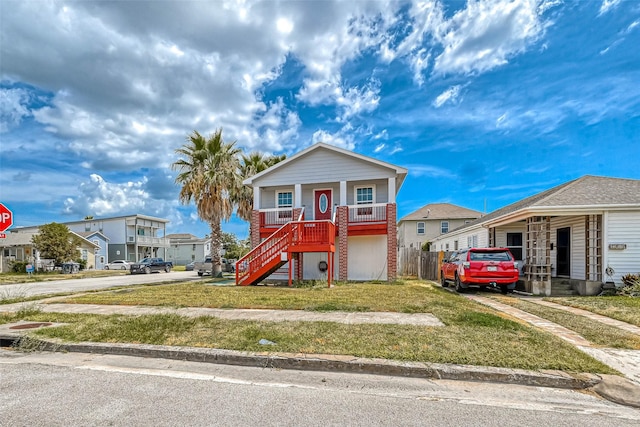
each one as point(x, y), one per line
point(484, 102)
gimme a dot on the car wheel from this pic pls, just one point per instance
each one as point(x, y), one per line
point(106, 267)
point(459, 287)
point(167, 269)
point(443, 280)
point(147, 270)
point(200, 273)
point(123, 268)
point(504, 289)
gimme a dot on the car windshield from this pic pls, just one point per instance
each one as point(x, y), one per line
point(489, 256)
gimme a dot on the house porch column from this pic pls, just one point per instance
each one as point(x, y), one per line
point(392, 243)
point(343, 243)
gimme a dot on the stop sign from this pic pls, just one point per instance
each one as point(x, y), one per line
point(6, 218)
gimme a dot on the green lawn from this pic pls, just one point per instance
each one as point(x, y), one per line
point(474, 334)
point(626, 309)
point(597, 333)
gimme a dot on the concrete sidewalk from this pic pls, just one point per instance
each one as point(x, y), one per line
point(626, 362)
point(611, 387)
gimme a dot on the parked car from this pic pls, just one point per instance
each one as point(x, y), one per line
point(118, 264)
point(190, 266)
point(204, 267)
point(480, 267)
point(149, 265)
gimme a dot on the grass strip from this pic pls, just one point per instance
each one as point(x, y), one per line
point(596, 332)
point(626, 309)
point(411, 297)
point(477, 338)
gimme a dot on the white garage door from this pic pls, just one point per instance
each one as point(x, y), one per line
point(367, 258)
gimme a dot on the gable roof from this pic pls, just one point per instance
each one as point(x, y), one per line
point(15, 238)
point(400, 171)
point(437, 211)
point(89, 234)
point(587, 192)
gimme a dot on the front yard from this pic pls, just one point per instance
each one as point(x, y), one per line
point(473, 334)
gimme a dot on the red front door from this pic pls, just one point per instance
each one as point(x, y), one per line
point(322, 204)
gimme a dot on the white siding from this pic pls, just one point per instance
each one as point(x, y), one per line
point(324, 166)
point(501, 236)
point(623, 228)
point(481, 233)
point(367, 258)
point(310, 266)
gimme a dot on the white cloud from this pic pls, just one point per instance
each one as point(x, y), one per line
point(422, 170)
point(486, 34)
point(102, 199)
point(13, 107)
point(340, 139)
point(379, 148)
point(608, 5)
point(356, 100)
point(449, 95)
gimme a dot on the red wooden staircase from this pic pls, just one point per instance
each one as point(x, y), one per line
point(278, 248)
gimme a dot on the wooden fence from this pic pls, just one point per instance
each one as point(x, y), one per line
point(414, 262)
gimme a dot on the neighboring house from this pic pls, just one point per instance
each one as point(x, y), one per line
point(17, 246)
point(131, 237)
point(585, 231)
point(325, 213)
point(102, 243)
point(431, 221)
point(185, 247)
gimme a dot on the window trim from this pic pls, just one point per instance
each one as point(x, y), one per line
point(442, 223)
point(364, 211)
point(521, 247)
point(424, 228)
point(373, 194)
point(283, 191)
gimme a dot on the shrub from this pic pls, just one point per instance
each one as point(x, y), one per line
point(631, 286)
point(19, 266)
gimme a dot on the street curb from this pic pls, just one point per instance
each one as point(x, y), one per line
point(333, 363)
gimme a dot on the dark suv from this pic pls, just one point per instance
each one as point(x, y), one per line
point(480, 267)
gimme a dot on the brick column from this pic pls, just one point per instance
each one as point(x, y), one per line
point(255, 228)
point(296, 213)
point(392, 243)
point(343, 224)
point(299, 264)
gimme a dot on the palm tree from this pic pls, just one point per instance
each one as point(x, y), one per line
point(208, 173)
point(250, 165)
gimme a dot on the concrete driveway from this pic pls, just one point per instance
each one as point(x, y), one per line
point(22, 290)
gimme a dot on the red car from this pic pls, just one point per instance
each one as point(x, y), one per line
point(481, 267)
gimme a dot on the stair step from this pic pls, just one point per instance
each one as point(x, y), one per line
point(563, 293)
point(556, 286)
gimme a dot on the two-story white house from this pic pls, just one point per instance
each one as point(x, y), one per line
point(324, 213)
point(130, 237)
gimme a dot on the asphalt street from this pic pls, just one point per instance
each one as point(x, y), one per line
point(54, 389)
point(79, 285)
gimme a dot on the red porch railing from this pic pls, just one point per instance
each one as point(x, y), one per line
point(276, 217)
point(374, 213)
point(297, 236)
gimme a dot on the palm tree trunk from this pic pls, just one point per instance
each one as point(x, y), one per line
point(216, 247)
